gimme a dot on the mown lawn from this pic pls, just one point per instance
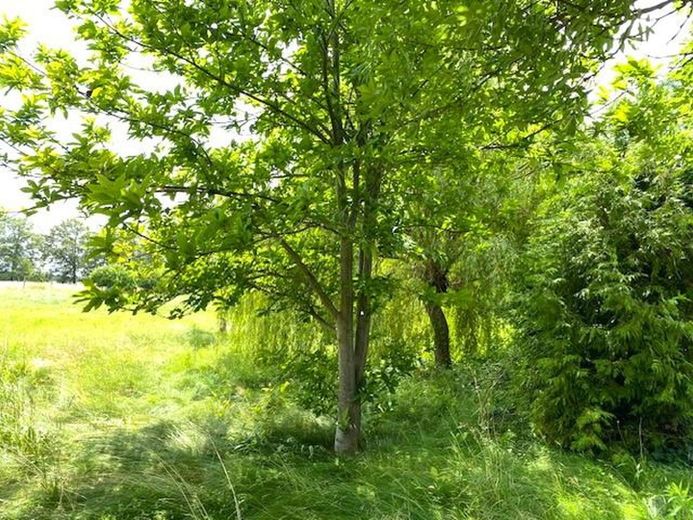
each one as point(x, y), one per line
point(120, 417)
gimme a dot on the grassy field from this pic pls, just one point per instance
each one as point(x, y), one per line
point(140, 418)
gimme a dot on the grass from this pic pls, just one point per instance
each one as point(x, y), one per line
point(140, 418)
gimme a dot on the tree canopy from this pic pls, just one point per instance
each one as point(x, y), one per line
point(284, 142)
point(65, 250)
point(19, 248)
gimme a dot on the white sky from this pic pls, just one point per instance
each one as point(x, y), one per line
point(49, 26)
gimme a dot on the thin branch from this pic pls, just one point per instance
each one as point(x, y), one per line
point(524, 140)
point(311, 279)
point(222, 81)
point(171, 188)
point(652, 8)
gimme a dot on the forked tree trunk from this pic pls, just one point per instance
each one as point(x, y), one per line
point(358, 214)
point(354, 320)
point(353, 338)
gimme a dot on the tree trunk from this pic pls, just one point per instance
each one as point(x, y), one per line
point(353, 329)
point(441, 334)
point(357, 214)
point(348, 428)
point(437, 278)
point(353, 351)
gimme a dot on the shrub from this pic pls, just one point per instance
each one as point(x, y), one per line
point(605, 313)
point(111, 277)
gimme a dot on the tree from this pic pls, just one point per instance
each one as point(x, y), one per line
point(19, 248)
point(605, 309)
point(65, 251)
point(459, 236)
point(339, 97)
point(439, 219)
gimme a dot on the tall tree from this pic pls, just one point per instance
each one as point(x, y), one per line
point(65, 251)
point(338, 96)
point(19, 248)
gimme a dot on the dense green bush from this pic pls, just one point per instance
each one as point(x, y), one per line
point(111, 285)
point(111, 276)
point(605, 313)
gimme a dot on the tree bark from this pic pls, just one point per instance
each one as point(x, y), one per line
point(437, 279)
point(357, 214)
point(353, 351)
point(348, 409)
point(441, 334)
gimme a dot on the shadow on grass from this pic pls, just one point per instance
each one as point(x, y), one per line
point(425, 460)
point(173, 471)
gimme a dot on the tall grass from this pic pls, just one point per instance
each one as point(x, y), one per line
point(110, 417)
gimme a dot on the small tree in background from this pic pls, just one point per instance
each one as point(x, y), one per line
point(19, 249)
point(64, 250)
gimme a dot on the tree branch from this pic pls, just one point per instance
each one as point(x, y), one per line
point(311, 279)
point(222, 81)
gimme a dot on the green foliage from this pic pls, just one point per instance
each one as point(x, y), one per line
point(339, 106)
point(605, 314)
point(111, 284)
point(399, 348)
point(59, 255)
point(482, 281)
point(608, 333)
point(19, 249)
point(291, 355)
point(32, 444)
point(148, 423)
point(65, 251)
point(111, 276)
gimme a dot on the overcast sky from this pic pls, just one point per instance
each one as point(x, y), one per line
point(49, 26)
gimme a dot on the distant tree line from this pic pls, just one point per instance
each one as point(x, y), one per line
point(59, 255)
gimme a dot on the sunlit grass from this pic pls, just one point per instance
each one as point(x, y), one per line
point(119, 417)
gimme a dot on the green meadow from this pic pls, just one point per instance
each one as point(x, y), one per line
point(142, 418)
